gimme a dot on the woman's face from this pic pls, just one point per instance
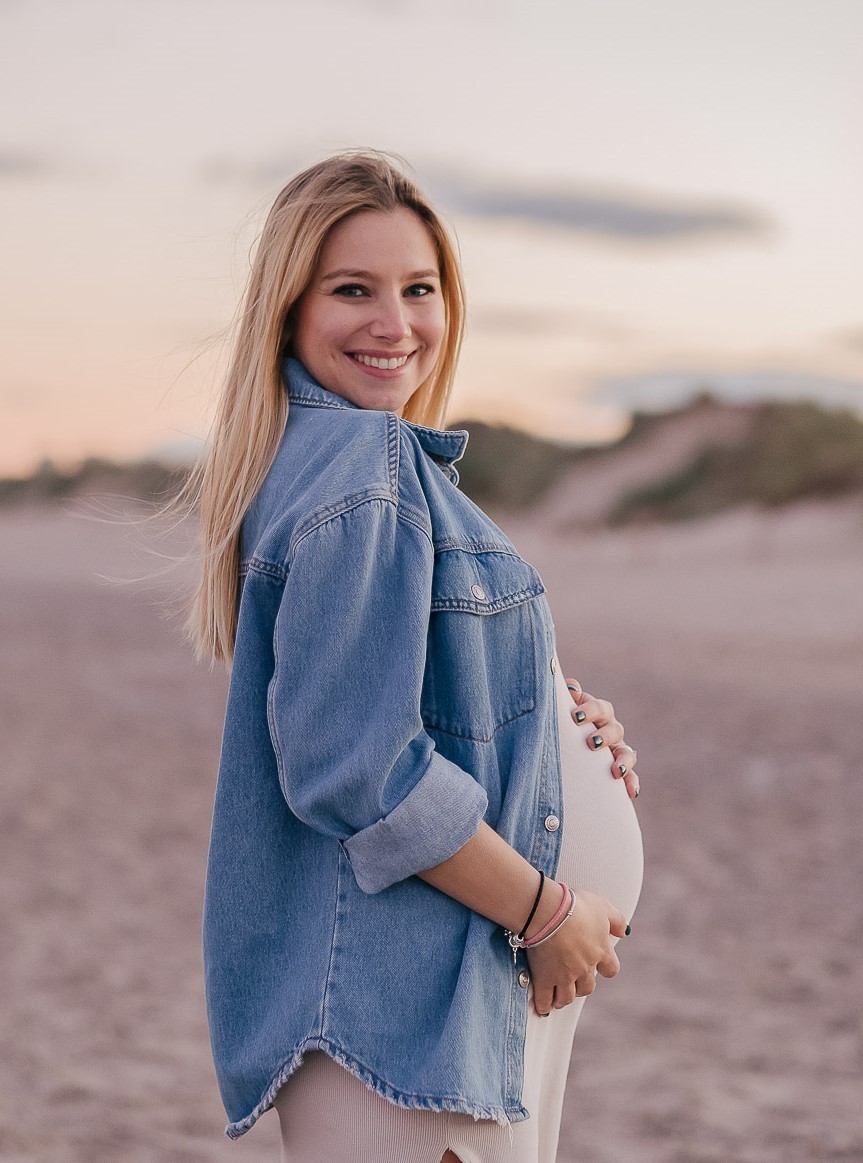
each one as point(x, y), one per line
point(370, 324)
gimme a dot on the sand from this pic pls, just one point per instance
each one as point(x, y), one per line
point(732, 651)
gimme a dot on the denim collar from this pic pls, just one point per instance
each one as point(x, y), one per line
point(446, 444)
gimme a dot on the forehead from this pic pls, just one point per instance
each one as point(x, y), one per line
point(371, 239)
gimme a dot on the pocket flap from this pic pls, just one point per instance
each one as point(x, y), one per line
point(482, 581)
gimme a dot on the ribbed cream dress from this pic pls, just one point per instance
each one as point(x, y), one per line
point(327, 1115)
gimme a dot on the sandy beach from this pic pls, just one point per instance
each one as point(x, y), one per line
point(732, 650)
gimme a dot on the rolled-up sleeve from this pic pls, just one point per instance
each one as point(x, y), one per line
point(353, 757)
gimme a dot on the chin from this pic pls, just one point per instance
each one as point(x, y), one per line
point(382, 400)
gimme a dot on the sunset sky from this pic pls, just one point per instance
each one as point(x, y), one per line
point(648, 194)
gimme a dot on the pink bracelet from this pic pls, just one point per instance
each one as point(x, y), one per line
point(546, 929)
point(532, 944)
point(557, 921)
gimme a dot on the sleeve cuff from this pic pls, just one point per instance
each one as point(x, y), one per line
point(437, 817)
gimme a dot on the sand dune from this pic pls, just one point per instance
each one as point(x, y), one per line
point(732, 650)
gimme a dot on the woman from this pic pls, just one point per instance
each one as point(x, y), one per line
point(419, 861)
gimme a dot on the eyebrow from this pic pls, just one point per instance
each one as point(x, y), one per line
point(429, 274)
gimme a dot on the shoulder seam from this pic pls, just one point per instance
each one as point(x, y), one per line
point(409, 516)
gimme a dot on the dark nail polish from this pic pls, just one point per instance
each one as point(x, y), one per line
point(635, 797)
point(597, 741)
point(622, 768)
point(580, 716)
point(628, 930)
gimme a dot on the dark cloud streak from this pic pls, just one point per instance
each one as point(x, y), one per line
point(608, 214)
point(583, 211)
point(31, 165)
point(15, 165)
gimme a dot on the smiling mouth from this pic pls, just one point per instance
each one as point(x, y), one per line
point(381, 363)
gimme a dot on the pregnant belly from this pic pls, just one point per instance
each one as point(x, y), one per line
point(601, 849)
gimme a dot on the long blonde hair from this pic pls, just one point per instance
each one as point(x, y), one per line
point(253, 405)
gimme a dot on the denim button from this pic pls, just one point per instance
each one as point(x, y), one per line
point(478, 592)
point(553, 665)
point(552, 823)
point(523, 978)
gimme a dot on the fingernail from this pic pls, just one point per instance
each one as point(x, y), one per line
point(548, 1015)
point(628, 930)
point(580, 716)
point(622, 768)
point(635, 797)
point(597, 741)
point(570, 686)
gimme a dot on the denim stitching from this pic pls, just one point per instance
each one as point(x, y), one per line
point(271, 717)
point(309, 402)
point(502, 603)
point(325, 992)
point(412, 516)
point(393, 449)
point(260, 565)
point(452, 437)
point(457, 1104)
point(472, 545)
point(321, 516)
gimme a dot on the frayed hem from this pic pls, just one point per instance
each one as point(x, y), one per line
point(503, 1116)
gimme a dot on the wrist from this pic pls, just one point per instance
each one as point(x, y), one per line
point(549, 904)
point(558, 920)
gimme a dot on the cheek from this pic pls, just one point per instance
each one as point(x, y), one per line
point(436, 330)
point(319, 326)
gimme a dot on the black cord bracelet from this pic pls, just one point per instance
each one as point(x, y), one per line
point(535, 906)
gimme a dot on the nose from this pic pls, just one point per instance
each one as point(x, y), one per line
point(390, 321)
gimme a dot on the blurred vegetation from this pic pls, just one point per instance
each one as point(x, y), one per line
point(507, 467)
point(144, 480)
point(788, 451)
point(791, 451)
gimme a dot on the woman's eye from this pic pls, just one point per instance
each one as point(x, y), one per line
point(357, 290)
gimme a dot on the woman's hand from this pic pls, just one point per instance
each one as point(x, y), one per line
point(565, 967)
point(609, 732)
point(489, 876)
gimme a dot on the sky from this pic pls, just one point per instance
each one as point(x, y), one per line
point(650, 197)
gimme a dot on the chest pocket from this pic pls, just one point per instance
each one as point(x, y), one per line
point(484, 640)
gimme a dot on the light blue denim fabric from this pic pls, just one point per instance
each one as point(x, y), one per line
point(391, 687)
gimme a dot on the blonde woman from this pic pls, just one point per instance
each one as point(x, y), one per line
point(423, 845)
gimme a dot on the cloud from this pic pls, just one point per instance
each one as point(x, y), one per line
point(657, 391)
point(607, 214)
point(520, 321)
point(16, 164)
point(851, 339)
point(223, 169)
point(29, 165)
point(384, 7)
point(21, 397)
point(579, 209)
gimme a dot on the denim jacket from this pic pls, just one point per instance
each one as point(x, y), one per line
point(392, 686)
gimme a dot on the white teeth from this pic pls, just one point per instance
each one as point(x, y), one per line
point(387, 364)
